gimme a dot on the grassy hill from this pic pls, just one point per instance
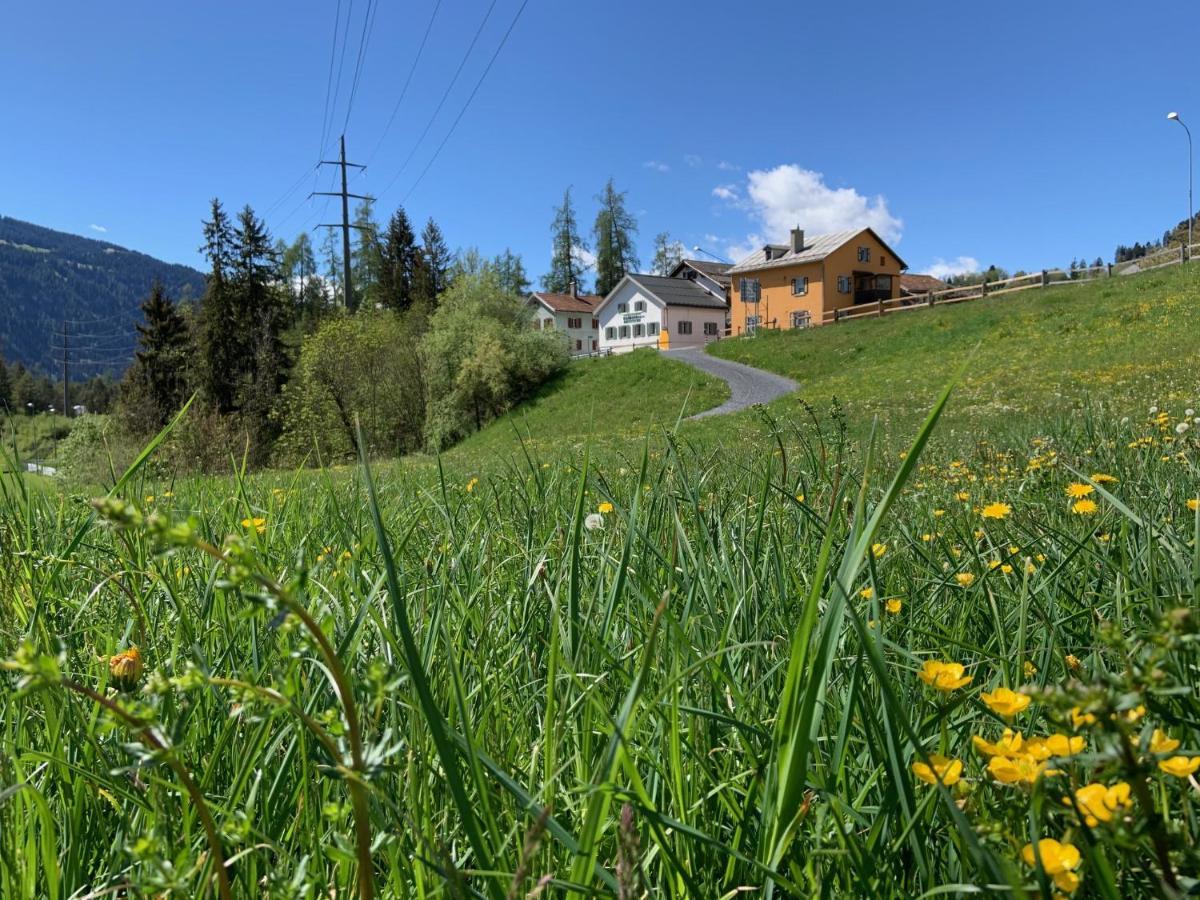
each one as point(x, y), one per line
point(47, 276)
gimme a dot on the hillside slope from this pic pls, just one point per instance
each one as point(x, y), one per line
point(47, 276)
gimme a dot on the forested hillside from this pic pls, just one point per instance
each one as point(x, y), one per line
point(48, 276)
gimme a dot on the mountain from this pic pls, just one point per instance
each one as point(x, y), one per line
point(48, 277)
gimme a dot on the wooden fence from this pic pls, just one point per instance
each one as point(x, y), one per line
point(1172, 256)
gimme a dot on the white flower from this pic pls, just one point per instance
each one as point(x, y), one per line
point(1181, 427)
point(593, 521)
point(1125, 420)
point(1189, 412)
point(1154, 410)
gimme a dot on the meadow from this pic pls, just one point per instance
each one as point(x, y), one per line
point(792, 653)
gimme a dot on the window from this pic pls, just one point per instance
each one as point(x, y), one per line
point(882, 260)
point(639, 330)
point(651, 328)
point(593, 345)
point(548, 324)
point(595, 324)
point(864, 254)
point(622, 307)
point(752, 323)
point(624, 332)
point(800, 286)
point(639, 306)
point(843, 284)
point(683, 327)
point(749, 289)
point(610, 333)
point(801, 318)
point(574, 323)
point(710, 328)
point(579, 345)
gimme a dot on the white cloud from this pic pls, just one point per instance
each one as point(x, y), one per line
point(585, 257)
point(656, 165)
point(725, 166)
point(727, 192)
point(960, 265)
point(692, 159)
point(99, 228)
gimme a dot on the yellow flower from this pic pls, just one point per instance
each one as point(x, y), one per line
point(1018, 768)
point(168, 493)
point(927, 537)
point(1077, 489)
point(1084, 507)
point(149, 498)
point(1010, 742)
point(1029, 669)
point(799, 498)
point(1161, 743)
point(1101, 478)
point(1059, 861)
point(1073, 662)
point(996, 510)
point(962, 496)
point(1180, 766)
point(1098, 803)
point(947, 771)
point(1054, 745)
point(1006, 569)
point(605, 507)
point(894, 605)
point(1193, 504)
point(1081, 719)
point(945, 676)
point(867, 593)
point(1005, 702)
point(257, 524)
point(1132, 716)
point(964, 579)
point(877, 550)
point(471, 484)
point(938, 513)
point(125, 668)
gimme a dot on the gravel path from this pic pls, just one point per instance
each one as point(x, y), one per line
point(747, 384)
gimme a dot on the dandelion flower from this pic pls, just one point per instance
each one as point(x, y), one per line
point(962, 496)
point(125, 669)
point(964, 579)
point(1098, 803)
point(895, 605)
point(605, 508)
point(867, 593)
point(877, 550)
point(1005, 702)
point(1193, 504)
point(593, 521)
point(256, 524)
point(1180, 766)
point(944, 676)
point(947, 771)
point(1161, 742)
point(1078, 489)
point(996, 510)
point(1102, 478)
point(1059, 861)
point(1084, 507)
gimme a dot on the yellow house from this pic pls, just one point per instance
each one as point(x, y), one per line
point(804, 282)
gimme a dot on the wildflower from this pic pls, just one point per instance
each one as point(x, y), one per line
point(927, 537)
point(471, 484)
point(1084, 507)
point(1180, 766)
point(1018, 768)
point(125, 668)
point(799, 498)
point(1161, 743)
point(1132, 716)
point(1077, 490)
point(1006, 569)
point(1005, 702)
point(962, 496)
point(1009, 743)
point(895, 605)
point(996, 510)
point(1073, 662)
point(964, 579)
point(1098, 803)
point(938, 513)
point(1029, 669)
point(258, 524)
point(867, 593)
point(1193, 504)
point(605, 508)
point(1081, 719)
point(149, 498)
point(944, 676)
point(1101, 478)
point(593, 521)
point(1054, 745)
point(1059, 861)
point(877, 550)
point(947, 771)
point(1182, 428)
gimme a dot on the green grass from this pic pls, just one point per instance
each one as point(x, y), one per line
point(35, 437)
point(634, 662)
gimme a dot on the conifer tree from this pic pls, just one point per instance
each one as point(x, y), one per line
point(667, 254)
point(219, 341)
point(510, 272)
point(433, 273)
point(399, 261)
point(156, 385)
point(614, 230)
point(365, 256)
point(565, 266)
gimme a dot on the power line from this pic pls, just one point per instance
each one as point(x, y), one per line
point(363, 41)
point(337, 85)
point(337, 21)
point(463, 111)
point(407, 81)
point(445, 95)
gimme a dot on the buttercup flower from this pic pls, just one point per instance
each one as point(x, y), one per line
point(944, 676)
point(867, 593)
point(1079, 719)
point(894, 605)
point(1180, 766)
point(1054, 745)
point(1161, 743)
point(1101, 478)
point(965, 579)
point(259, 525)
point(1098, 803)
point(947, 771)
point(877, 550)
point(471, 484)
point(1010, 743)
point(125, 669)
point(1005, 702)
point(996, 510)
point(1059, 861)
point(1020, 768)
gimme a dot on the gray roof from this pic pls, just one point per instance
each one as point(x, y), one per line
point(816, 248)
point(718, 272)
point(677, 291)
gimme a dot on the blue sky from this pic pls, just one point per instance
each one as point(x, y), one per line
point(1021, 134)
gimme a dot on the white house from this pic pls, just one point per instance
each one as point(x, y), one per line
point(658, 311)
point(571, 314)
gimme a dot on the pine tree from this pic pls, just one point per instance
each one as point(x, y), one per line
point(510, 272)
point(615, 227)
point(6, 393)
point(219, 339)
point(156, 385)
point(567, 243)
point(399, 259)
point(667, 254)
point(433, 273)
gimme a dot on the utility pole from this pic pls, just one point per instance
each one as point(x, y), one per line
point(66, 370)
point(351, 302)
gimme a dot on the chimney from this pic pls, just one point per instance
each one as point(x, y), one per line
point(797, 240)
point(574, 288)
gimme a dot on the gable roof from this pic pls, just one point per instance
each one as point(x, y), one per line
point(816, 248)
point(921, 284)
point(567, 302)
point(718, 272)
point(676, 291)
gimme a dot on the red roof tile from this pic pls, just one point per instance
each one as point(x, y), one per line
point(567, 302)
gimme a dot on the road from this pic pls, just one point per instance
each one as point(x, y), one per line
point(747, 385)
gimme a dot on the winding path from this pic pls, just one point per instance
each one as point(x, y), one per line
point(747, 385)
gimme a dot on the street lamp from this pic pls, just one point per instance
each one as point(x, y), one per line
point(698, 249)
point(1175, 116)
